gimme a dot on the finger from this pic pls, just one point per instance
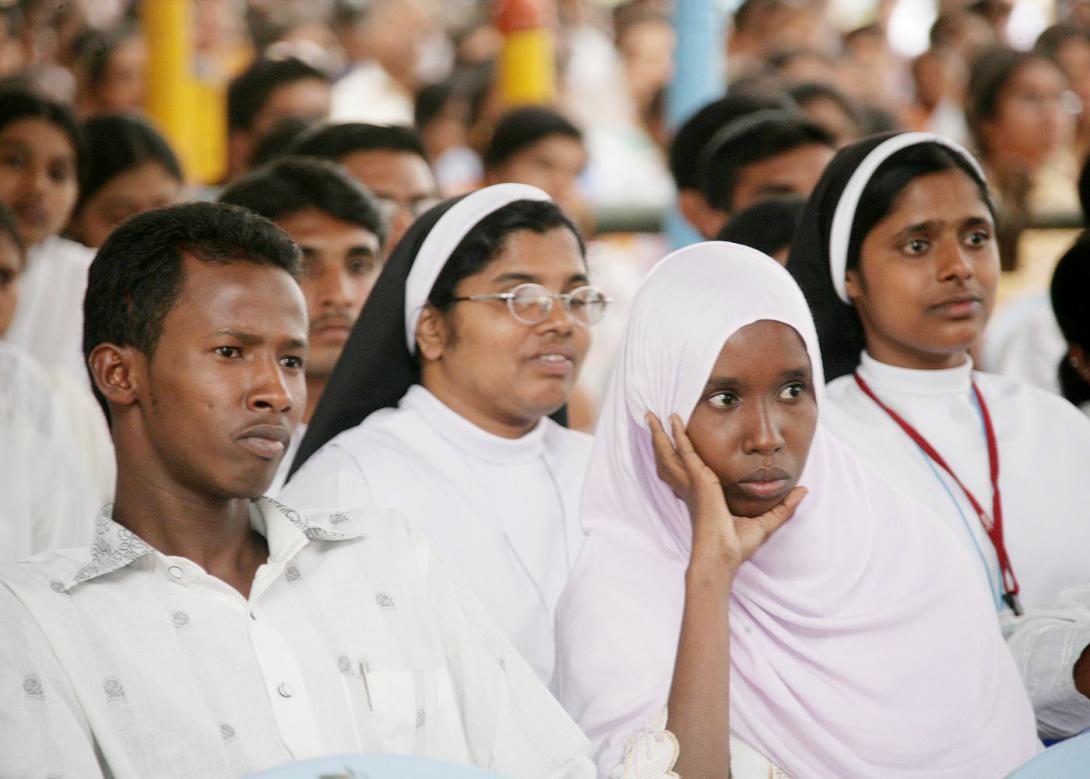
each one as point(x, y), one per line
point(755, 531)
point(698, 470)
point(667, 462)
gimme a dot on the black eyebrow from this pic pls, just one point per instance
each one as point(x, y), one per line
point(361, 249)
point(239, 335)
point(528, 278)
point(297, 343)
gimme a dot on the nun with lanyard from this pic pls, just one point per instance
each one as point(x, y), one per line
point(897, 256)
point(708, 631)
point(439, 406)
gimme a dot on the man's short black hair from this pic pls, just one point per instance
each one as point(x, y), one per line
point(294, 184)
point(337, 141)
point(249, 92)
point(136, 276)
point(747, 141)
point(695, 132)
point(521, 128)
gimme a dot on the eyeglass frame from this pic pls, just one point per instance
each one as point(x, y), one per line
point(565, 299)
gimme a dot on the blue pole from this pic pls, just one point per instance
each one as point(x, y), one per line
point(699, 77)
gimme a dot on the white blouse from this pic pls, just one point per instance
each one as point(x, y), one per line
point(502, 512)
point(119, 661)
point(1044, 451)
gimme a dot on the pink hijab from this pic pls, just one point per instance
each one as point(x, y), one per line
point(862, 644)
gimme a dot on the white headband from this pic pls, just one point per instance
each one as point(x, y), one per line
point(444, 238)
point(841, 231)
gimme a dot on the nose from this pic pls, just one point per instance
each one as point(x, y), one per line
point(272, 389)
point(559, 320)
point(333, 289)
point(763, 435)
point(399, 223)
point(955, 262)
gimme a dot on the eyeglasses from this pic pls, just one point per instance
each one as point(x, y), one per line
point(389, 207)
point(532, 304)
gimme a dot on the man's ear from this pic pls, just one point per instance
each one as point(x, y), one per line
point(118, 372)
point(432, 333)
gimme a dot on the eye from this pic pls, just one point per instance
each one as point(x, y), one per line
point(13, 159)
point(230, 352)
point(724, 400)
point(60, 174)
point(792, 391)
point(915, 246)
point(978, 238)
point(292, 361)
point(359, 267)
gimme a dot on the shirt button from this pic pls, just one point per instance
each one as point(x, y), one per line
point(175, 571)
point(284, 689)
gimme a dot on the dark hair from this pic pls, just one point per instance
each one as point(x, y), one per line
point(1070, 281)
point(698, 129)
point(293, 184)
point(1084, 191)
point(19, 104)
point(809, 91)
point(749, 140)
point(989, 73)
point(1056, 37)
point(337, 141)
point(248, 93)
point(486, 240)
point(136, 277)
point(430, 101)
point(889, 181)
point(121, 142)
point(93, 48)
point(521, 128)
point(8, 228)
point(768, 226)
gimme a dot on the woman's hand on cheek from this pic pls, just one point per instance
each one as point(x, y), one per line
point(721, 541)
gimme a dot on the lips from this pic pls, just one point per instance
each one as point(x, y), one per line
point(331, 328)
point(554, 360)
point(960, 306)
point(765, 483)
point(31, 213)
point(266, 441)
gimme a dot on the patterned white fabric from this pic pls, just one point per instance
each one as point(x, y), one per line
point(119, 661)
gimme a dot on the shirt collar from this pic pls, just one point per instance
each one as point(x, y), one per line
point(469, 438)
point(890, 378)
point(116, 547)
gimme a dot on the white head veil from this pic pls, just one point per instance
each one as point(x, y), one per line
point(862, 643)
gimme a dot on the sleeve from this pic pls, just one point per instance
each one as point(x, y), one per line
point(513, 724)
point(43, 731)
point(330, 479)
point(1046, 644)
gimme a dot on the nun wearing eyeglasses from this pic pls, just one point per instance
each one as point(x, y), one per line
point(440, 403)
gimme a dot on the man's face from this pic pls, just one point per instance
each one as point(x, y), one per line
point(794, 172)
point(402, 182)
point(307, 98)
point(224, 387)
point(552, 164)
point(341, 262)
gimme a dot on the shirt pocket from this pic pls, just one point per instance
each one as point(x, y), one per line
point(412, 710)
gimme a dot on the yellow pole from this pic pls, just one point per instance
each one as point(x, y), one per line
point(167, 26)
point(527, 60)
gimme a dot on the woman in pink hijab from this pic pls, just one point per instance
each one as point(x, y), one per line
point(854, 642)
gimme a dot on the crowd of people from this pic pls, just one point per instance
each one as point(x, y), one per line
point(383, 441)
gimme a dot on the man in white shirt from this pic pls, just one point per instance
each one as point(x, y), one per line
point(209, 633)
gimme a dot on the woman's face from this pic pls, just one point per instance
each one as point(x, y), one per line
point(37, 177)
point(496, 371)
point(132, 192)
point(1031, 119)
point(11, 263)
point(927, 274)
point(756, 416)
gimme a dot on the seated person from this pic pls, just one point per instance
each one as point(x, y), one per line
point(816, 652)
point(476, 332)
point(337, 225)
point(208, 631)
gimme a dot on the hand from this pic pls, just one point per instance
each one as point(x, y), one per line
point(719, 538)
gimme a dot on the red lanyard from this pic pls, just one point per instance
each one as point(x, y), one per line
point(993, 525)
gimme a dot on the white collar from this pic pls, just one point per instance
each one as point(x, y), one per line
point(465, 435)
point(890, 378)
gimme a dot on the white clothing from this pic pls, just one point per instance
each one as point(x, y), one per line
point(502, 512)
point(1044, 446)
point(835, 670)
point(119, 661)
point(47, 498)
point(48, 319)
point(367, 94)
point(285, 463)
point(1024, 342)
